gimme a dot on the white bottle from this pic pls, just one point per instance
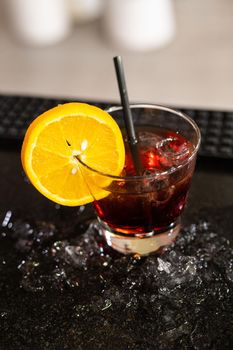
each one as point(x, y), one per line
point(86, 10)
point(38, 22)
point(139, 24)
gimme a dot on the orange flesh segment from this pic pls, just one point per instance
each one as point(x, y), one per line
point(55, 139)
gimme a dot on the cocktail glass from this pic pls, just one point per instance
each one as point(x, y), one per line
point(140, 213)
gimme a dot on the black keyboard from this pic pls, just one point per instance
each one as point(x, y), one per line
point(17, 112)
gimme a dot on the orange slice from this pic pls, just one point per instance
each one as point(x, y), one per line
point(58, 138)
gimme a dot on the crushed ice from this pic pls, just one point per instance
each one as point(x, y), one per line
point(183, 297)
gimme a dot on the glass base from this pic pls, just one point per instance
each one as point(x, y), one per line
point(143, 244)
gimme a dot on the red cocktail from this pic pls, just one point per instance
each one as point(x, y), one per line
point(140, 212)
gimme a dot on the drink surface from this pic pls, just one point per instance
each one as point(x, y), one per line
point(154, 202)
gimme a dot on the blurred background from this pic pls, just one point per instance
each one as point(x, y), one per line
point(175, 52)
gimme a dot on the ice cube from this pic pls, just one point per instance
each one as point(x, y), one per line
point(164, 265)
point(150, 139)
point(173, 150)
point(76, 255)
point(7, 218)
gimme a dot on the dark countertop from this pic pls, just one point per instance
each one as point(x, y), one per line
point(39, 309)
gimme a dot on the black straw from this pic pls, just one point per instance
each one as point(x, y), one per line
point(128, 119)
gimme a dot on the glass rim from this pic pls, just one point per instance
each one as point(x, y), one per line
point(154, 174)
